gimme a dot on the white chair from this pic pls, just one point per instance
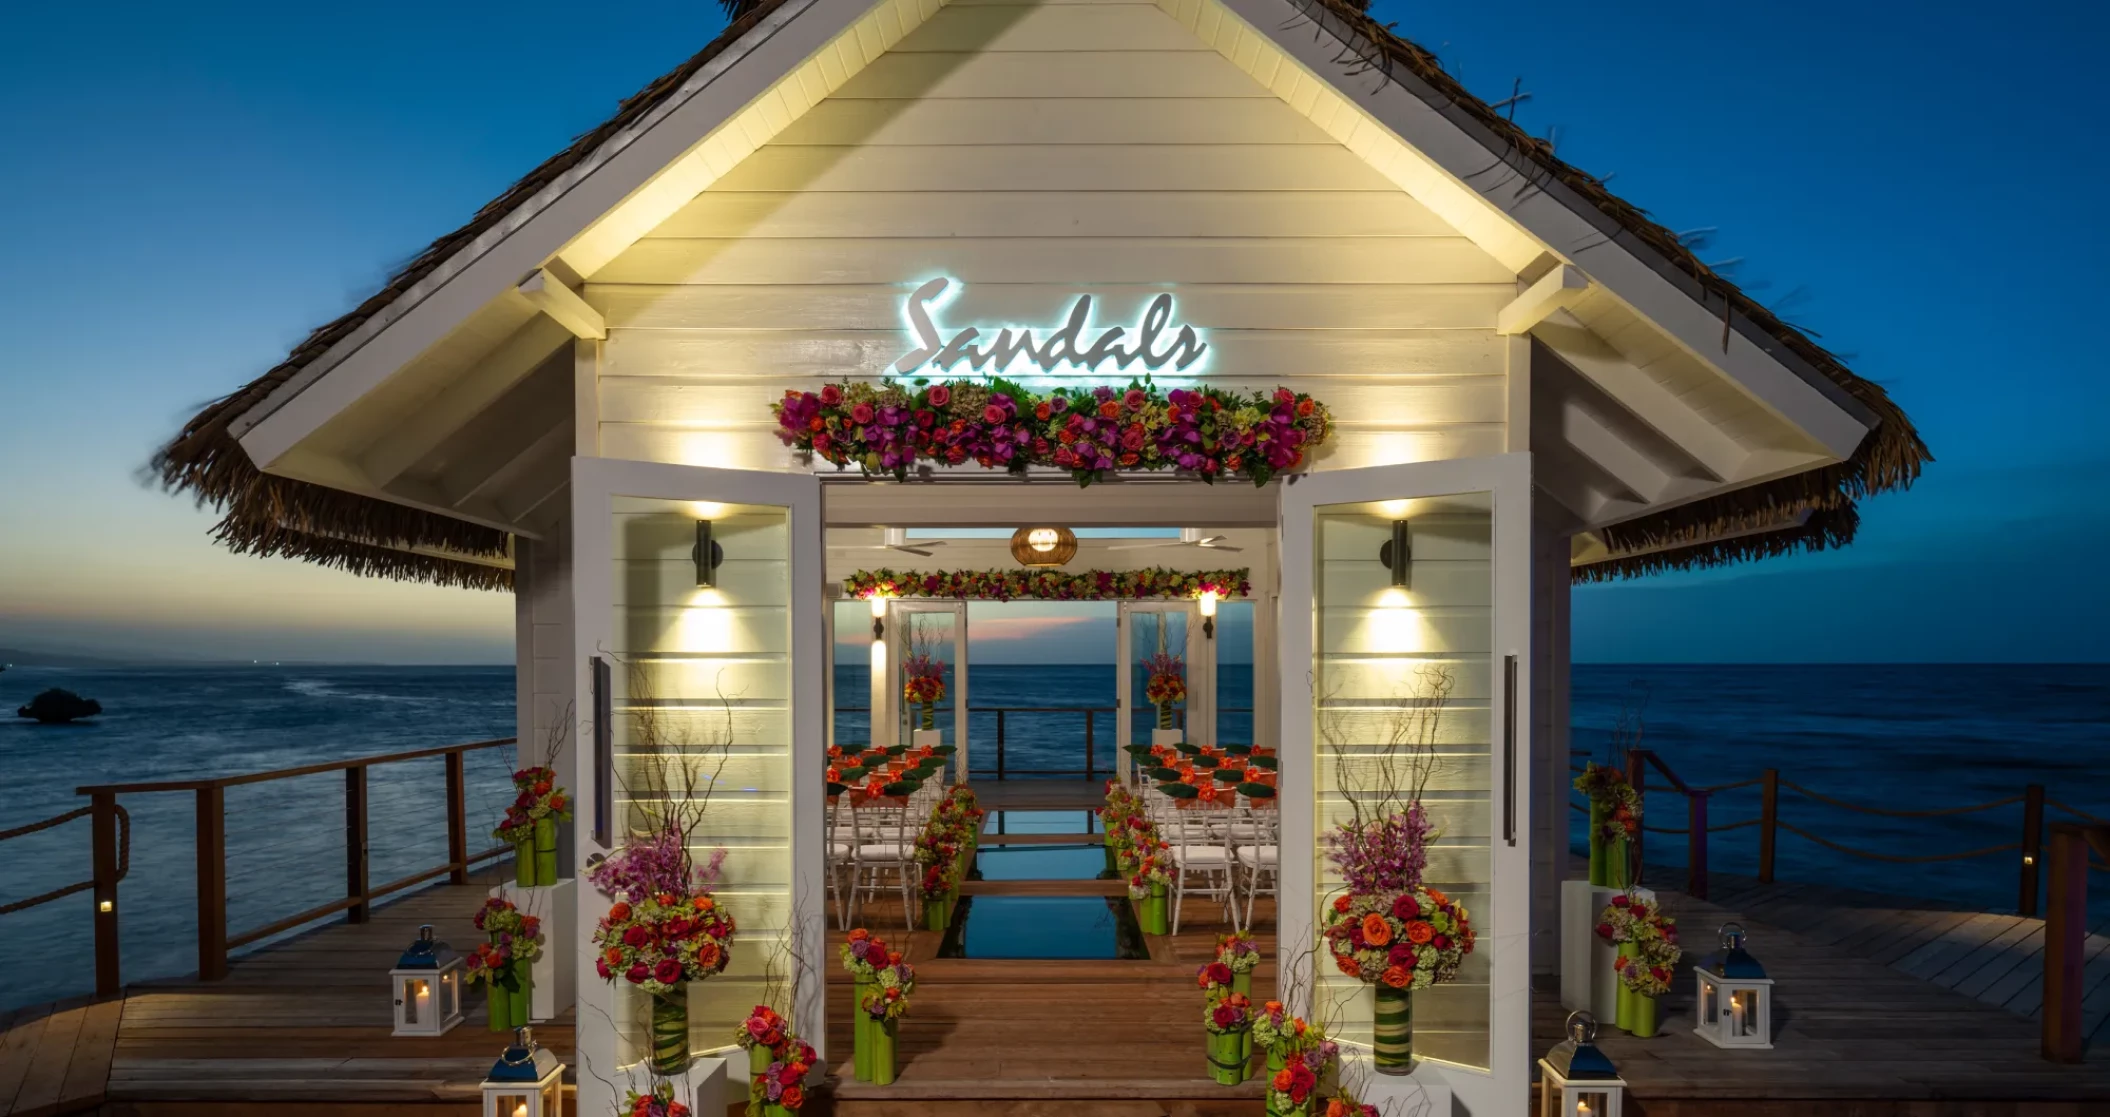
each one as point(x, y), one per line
point(1201, 860)
point(1258, 855)
point(884, 844)
point(842, 858)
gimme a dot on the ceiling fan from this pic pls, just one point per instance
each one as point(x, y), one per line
point(1189, 537)
point(896, 539)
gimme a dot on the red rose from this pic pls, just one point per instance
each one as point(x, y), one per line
point(940, 395)
point(668, 971)
point(1405, 907)
point(1604, 930)
point(1135, 399)
point(1043, 411)
point(637, 937)
point(831, 395)
point(861, 414)
point(1619, 901)
point(637, 974)
point(787, 1076)
point(1340, 903)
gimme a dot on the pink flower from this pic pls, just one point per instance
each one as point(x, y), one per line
point(861, 414)
point(831, 396)
point(991, 413)
point(940, 395)
point(1135, 399)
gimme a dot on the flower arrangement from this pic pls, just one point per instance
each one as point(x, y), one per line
point(783, 1082)
point(895, 981)
point(1228, 1012)
point(764, 1029)
point(664, 940)
point(1615, 817)
point(1238, 951)
point(655, 863)
point(1214, 978)
point(1305, 1068)
point(1166, 684)
point(538, 798)
point(955, 823)
point(865, 954)
point(1386, 854)
point(1278, 1033)
point(514, 937)
point(1151, 861)
point(659, 1103)
point(1047, 585)
point(1402, 940)
point(1650, 963)
point(1343, 1104)
point(890, 428)
point(925, 686)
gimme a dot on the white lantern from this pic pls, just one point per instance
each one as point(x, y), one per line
point(1734, 1001)
point(1576, 1079)
point(526, 1081)
point(428, 987)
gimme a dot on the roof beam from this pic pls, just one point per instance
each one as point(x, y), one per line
point(1612, 453)
point(1721, 456)
point(424, 428)
point(1556, 290)
point(549, 295)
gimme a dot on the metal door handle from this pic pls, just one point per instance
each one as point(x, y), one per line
point(603, 755)
point(1509, 749)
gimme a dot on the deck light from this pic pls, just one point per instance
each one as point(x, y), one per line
point(1577, 1080)
point(1734, 1003)
point(1043, 546)
point(428, 987)
point(1397, 554)
point(526, 1081)
point(708, 555)
point(1208, 600)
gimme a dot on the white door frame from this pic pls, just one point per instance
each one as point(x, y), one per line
point(898, 611)
point(1504, 1088)
point(595, 482)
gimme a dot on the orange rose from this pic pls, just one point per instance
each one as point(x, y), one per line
point(859, 934)
point(1340, 904)
point(1438, 896)
point(1347, 965)
point(707, 955)
point(703, 903)
point(1377, 930)
point(1282, 1081)
point(794, 1097)
point(1397, 977)
point(1419, 932)
point(1335, 1107)
point(1271, 1007)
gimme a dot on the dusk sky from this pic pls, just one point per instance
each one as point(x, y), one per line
point(192, 188)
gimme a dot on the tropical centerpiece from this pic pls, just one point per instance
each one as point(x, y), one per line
point(664, 931)
point(1389, 929)
point(1165, 684)
point(1648, 947)
point(924, 688)
point(530, 825)
point(501, 963)
point(1615, 821)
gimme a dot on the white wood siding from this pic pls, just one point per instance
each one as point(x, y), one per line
point(1036, 152)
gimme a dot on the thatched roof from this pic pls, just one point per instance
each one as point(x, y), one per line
point(267, 515)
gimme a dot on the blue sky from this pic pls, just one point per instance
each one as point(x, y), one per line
point(193, 188)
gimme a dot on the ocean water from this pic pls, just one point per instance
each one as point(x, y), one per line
point(1900, 737)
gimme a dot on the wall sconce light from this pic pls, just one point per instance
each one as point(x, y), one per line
point(1208, 614)
point(1043, 546)
point(708, 555)
point(1398, 554)
point(878, 602)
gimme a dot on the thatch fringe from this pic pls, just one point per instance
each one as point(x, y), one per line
point(205, 459)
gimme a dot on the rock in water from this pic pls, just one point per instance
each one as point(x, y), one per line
point(57, 707)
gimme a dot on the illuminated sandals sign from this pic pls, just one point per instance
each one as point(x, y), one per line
point(1157, 345)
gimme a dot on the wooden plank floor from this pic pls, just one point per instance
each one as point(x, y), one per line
point(55, 1058)
point(1991, 957)
point(1850, 1023)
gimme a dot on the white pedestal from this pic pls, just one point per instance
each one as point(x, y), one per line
point(1424, 1093)
point(554, 975)
point(1589, 983)
point(927, 737)
point(1166, 737)
point(707, 1087)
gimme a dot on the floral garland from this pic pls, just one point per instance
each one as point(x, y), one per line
point(1632, 921)
point(539, 798)
point(890, 428)
point(1048, 585)
point(1406, 940)
point(513, 938)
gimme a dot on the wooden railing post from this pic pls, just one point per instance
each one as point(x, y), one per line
point(2032, 846)
point(2065, 942)
point(355, 883)
point(1087, 746)
point(212, 883)
point(1637, 778)
point(1768, 822)
point(457, 820)
point(102, 821)
point(1696, 844)
point(1000, 744)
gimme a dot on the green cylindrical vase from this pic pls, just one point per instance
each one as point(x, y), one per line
point(936, 911)
point(498, 1006)
point(1623, 999)
point(1618, 872)
point(523, 996)
point(1598, 870)
point(1276, 1061)
point(545, 851)
point(670, 1031)
point(1242, 984)
point(1227, 1058)
point(524, 863)
point(1644, 1016)
point(1392, 1034)
point(883, 1033)
point(860, 1029)
point(1159, 920)
point(758, 1060)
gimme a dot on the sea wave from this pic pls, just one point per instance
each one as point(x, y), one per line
point(324, 688)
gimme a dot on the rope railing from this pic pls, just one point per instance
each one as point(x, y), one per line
point(2076, 812)
point(1888, 813)
point(1896, 858)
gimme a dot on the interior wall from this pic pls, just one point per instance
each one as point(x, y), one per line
point(1550, 582)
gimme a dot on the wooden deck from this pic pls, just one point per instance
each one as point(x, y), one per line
point(1885, 1009)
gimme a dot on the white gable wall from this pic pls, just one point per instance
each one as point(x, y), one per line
point(1036, 151)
